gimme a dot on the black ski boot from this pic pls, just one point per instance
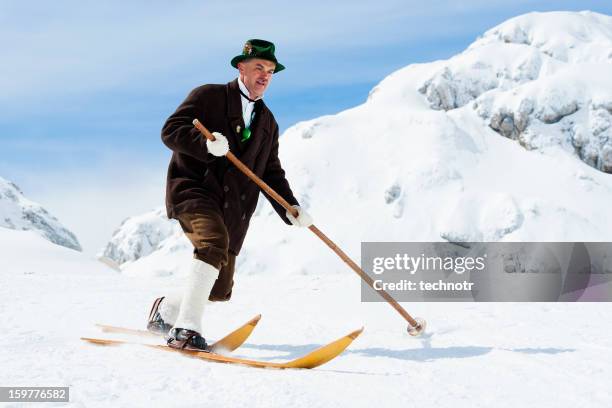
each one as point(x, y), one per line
point(186, 339)
point(156, 324)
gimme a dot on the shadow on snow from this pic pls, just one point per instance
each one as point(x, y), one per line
point(422, 354)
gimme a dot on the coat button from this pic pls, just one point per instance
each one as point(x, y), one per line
point(225, 205)
point(225, 188)
point(243, 216)
point(243, 197)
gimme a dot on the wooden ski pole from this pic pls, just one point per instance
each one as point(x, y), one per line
point(416, 326)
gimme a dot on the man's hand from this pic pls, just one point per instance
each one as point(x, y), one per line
point(219, 147)
point(303, 219)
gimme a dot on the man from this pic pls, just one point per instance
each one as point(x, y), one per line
point(212, 200)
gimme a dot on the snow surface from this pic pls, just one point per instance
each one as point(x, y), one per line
point(474, 355)
point(17, 212)
point(404, 166)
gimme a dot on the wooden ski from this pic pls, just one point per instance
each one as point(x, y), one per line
point(311, 360)
point(228, 343)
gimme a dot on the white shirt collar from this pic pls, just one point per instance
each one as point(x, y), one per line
point(244, 89)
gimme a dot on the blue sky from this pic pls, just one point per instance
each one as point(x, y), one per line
point(85, 86)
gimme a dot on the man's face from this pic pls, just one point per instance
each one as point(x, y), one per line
point(256, 74)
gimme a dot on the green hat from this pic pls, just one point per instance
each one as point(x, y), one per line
point(258, 49)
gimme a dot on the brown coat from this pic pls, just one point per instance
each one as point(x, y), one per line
point(199, 181)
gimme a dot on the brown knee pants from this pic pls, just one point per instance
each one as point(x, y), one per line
point(210, 240)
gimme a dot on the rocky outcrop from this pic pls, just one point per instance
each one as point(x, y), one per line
point(19, 213)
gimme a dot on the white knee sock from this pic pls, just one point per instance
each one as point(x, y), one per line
point(200, 281)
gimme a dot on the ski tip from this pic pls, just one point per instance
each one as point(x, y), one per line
point(100, 342)
point(255, 320)
point(355, 334)
point(102, 327)
point(105, 329)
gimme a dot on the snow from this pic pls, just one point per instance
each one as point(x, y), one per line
point(474, 355)
point(541, 78)
point(507, 141)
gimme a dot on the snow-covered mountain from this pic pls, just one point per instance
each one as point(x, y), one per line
point(19, 213)
point(139, 236)
point(149, 244)
point(431, 155)
point(542, 79)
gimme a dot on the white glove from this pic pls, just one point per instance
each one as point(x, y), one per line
point(219, 147)
point(303, 220)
